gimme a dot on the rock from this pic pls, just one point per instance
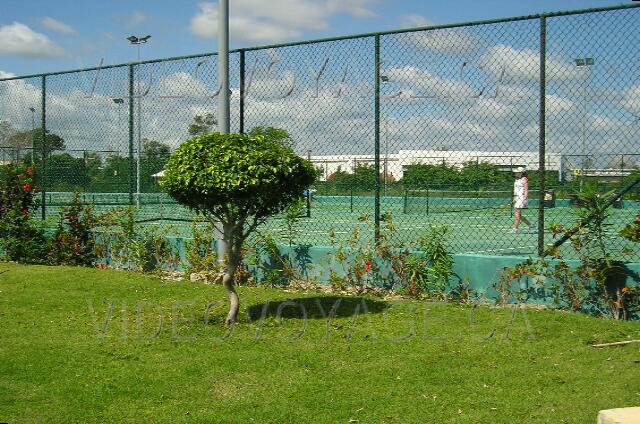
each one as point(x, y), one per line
point(194, 277)
point(619, 416)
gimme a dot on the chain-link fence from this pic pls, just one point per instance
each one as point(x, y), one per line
point(426, 126)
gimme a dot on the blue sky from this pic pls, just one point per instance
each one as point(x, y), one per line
point(42, 35)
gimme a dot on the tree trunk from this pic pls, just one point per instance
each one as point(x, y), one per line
point(231, 264)
point(234, 301)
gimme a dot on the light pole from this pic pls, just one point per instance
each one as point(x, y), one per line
point(138, 41)
point(33, 129)
point(586, 63)
point(385, 79)
point(223, 99)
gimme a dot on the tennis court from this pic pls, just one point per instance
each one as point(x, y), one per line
point(479, 223)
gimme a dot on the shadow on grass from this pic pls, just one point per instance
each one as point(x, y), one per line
point(319, 307)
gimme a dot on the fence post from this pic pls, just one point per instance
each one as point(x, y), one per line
point(242, 90)
point(542, 135)
point(43, 112)
point(132, 181)
point(377, 140)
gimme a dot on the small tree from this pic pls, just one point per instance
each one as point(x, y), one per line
point(279, 135)
point(202, 124)
point(239, 181)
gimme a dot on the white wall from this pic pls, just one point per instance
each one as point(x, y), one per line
point(397, 161)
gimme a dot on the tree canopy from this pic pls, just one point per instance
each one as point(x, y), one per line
point(239, 181)
point(278, 135)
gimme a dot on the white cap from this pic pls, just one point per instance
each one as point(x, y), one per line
point(519, 169)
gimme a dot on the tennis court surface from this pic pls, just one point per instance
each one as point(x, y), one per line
point(477, 224)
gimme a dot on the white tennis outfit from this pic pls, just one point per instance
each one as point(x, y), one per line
point(519, 196)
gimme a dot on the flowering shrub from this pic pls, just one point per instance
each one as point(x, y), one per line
point(598, 285)
point(419, 269)
point(74, 241)
point(21, 238)
point(17, 190)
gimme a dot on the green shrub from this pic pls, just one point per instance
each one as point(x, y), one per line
point(74, 242)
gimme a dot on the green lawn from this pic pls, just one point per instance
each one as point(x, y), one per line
point(61, 360)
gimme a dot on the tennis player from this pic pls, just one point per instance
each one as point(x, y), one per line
point(520, 198)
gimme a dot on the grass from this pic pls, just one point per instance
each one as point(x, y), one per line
point(61, 360)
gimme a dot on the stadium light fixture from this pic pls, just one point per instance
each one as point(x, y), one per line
point(138, 41)
point(586, 63)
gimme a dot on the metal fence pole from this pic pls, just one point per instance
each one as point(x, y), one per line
point(541, 133)
point(43, 112)
point(132, 181)
point(223, 102)
point(377, 140)
point(242, 90)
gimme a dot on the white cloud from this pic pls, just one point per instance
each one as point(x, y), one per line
point(4, 74)
point(258, 21)
point(133, 20)
point(424, 84)
point(321, 121)
point(244, 28)
point(458, 41)
point(356, 8)
point(510, 64)
point(57, 26)
point(630, 100)
point(413, 20)
point(19, 39)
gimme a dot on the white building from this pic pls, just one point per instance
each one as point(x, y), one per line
point(396, 163)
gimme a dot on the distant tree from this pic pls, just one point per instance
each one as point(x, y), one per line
point(155, 155)
point(93, 163)
point(6, 131)
point(238, 181)
point(113, 176)
point(482, 175)
point(67, 173)
point(418, 176)
point(25, 139)
point(202, 124)
point(20, 140)
point(363, 178)
point(155, 150)
point(278, 135)
point(338, 175)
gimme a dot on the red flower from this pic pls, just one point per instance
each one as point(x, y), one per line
point(29, 170)
point(26, 187)
point(102, 266)
point(367, 266)
point(76, 250)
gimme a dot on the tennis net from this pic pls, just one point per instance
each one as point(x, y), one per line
point(427, 201)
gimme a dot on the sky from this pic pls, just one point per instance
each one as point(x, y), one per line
point(43, 35)
point(473, 88)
